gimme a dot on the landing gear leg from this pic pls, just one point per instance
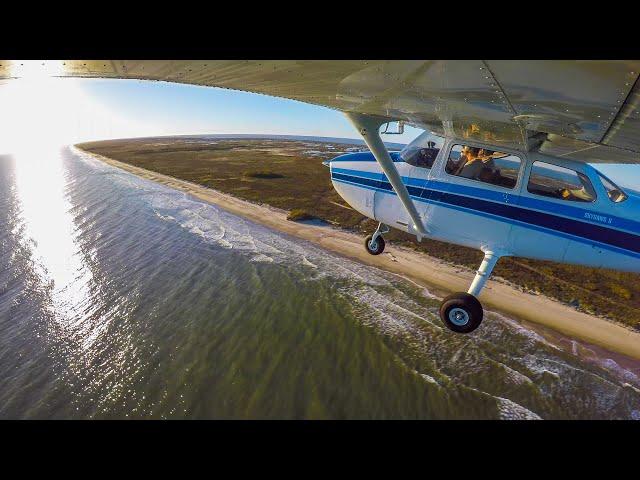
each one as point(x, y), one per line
point(462, 312)
point(375, 243)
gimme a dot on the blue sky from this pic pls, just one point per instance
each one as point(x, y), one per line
point(184, 109)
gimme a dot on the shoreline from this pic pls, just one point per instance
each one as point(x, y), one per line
point(439, 277)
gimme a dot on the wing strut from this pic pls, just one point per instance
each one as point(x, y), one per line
point(369, 127)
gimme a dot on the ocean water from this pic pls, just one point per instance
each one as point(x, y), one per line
point(122, 298)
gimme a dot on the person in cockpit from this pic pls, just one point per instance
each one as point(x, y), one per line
point(488, 173)
point(581, 194)
point(467, 156)
point(486, 155)
point(479, 164)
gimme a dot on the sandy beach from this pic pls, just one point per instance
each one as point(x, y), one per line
point(437, 276)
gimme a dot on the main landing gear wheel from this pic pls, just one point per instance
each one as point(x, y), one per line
point(374, 247)
point(461, 312)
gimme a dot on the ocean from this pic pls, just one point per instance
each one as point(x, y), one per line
point(122, 298)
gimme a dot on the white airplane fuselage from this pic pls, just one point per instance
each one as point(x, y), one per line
point(508, 221)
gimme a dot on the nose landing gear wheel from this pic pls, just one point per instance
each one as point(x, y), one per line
point(461, 312)
point(374, 247)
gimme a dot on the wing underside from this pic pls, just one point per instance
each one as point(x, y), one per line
point(589, 109)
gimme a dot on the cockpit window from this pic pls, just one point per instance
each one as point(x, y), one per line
point(484, 165)
point(615, 193)
point(422, 152)
point(560, 182)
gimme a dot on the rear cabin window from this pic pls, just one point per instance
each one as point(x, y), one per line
point(559, 182)
point(484, 165)
point(422, 152)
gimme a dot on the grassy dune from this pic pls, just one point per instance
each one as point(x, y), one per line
point(290, 175)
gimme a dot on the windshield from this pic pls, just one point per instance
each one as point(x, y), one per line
point(422, 152)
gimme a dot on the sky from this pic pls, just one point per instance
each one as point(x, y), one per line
point(44, 111)
point(73, 110)
point(184, 109)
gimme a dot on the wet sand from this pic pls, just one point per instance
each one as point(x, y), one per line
point(439, 277)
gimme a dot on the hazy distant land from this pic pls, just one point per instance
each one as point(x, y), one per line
point(287, 173)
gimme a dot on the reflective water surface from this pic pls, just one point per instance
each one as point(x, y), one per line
point(121, 298)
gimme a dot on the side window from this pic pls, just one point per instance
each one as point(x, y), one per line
point(422, 152)
point(560, 182)
point(484, 165)
point(615, 193)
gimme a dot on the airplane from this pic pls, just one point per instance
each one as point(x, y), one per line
point(505, 164)
point(505, 203)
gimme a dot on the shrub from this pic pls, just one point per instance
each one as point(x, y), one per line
point(297, 215)
point(263, 174)
point(621, 291)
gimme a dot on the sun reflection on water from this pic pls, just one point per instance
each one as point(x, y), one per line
point(51, 232)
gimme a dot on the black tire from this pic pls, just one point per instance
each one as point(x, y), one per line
point(376, 249)
point(467, 315)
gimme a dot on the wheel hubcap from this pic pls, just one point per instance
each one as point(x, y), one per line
point(373, 245)
point(458, 317)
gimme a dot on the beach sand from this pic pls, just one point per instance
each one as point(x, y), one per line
point(439, 277)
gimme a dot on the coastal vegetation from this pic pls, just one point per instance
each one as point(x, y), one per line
point(290, 175)
point(299, 215)
point(263, 174)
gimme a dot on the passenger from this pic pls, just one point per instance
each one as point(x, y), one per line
point(486, 155)
point(489, 173)
point(584, 193)
point(580, 194)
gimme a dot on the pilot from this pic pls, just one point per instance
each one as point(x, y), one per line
point(467, 157)
point(479, 165)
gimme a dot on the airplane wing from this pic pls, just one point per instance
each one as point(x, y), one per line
point(590, 109)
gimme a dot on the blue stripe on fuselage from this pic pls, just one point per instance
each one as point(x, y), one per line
point(577, 213)
point(364, 157)
point(418, 182)
point(608, 237)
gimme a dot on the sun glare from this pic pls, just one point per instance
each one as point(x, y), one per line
point(39, 112)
